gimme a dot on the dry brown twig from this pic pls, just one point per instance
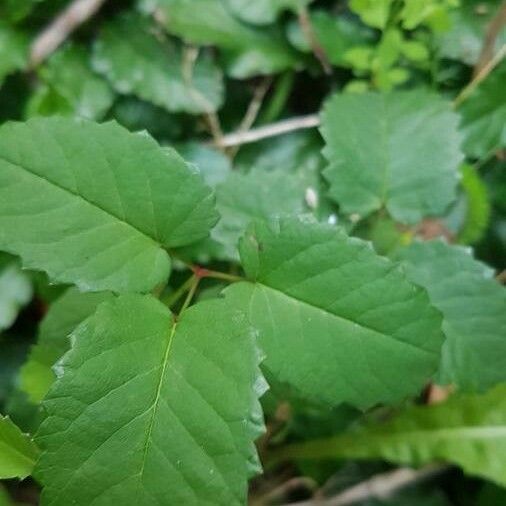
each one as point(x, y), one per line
point(493, 30)
point(73, 16)
point(379, 486)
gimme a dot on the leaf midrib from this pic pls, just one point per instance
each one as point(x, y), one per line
point(347, 320)
point(156, 401)
point(81, 197)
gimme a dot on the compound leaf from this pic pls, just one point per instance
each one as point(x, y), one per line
point(53, 341)
point(94, 204)
point(136, 62)
point(17, 451)
point(156, 411)
point(399, 150)
point(336, 322)
point(473, 306)
point(469, 431)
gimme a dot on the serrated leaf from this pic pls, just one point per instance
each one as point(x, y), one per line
point(484, 116)
point(95, 205)
point(156, 411)
point(17, 451)
point(259, 195)
point(469, 431)
point(15, 291)
point(473, 306)
point(53, 341)
point(263, 12)
point(336, 322)
point(248, 51)
point(397, 150)
point(136, 62)
point(13, 51)
point(70, 87)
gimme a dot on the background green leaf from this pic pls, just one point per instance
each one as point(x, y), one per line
point(473, 307)
point(137, 61)
point(398, 150)
point(17, 451)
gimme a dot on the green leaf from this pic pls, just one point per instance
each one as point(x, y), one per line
point(63, 317)
point(5, 499)
point(248, 51)
point(335, 34)
point(336, 322)
point(70, 87)
point(472, 304)
point(259, 195)
point(213, 164)
point(484, 116)
point(94, 204)
point(137, 62)
point(399, 150)
point(15, 291)
point(468, 24)
point(17, 451)
point(263, 12)
point(156, 412)
point(477, 206)
point(16, 10)
point(13, 51)
point(372, 12)
point(469, 431)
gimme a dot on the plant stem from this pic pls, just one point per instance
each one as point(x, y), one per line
point(482, 74)
point(172, 298)
point(282, 90)
point(195, 280)
point(223, 275)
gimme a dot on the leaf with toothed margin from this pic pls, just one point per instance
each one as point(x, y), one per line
point(63, 316)
point(473, 305)
point(18, 452)
point(398, 150)
point(156, 411)
point(336, 322)
point(96, 205)
point(136, 61)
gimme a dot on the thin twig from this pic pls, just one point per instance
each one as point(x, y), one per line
point(308, 31)
point(282, 491)
point(484, 72)
point(493, 30)
point(253, 109)
point(77, 13)
point(378, 487)
point(190, 55)
point(279, 128)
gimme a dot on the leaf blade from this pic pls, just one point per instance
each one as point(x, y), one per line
point(329, 324)
point(399, 150)
point(189, 398)
point(103, 203)
point(17, 452)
